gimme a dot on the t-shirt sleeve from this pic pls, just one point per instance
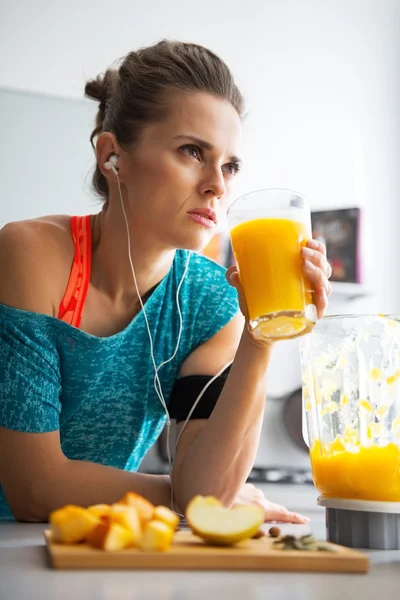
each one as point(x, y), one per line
point(218, 304)
point(29, 373)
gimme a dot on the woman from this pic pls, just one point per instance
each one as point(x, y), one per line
point(78, 406)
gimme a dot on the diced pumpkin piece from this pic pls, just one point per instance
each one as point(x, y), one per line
point(128, 517)
point(111, 537)
point(167, 516)
point(100, 510)
point(157, 537)
point(72, 524)
point(143, 506)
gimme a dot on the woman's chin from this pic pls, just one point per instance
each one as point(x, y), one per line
point(195, 244)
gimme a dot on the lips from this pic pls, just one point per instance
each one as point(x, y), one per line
point(206, 213)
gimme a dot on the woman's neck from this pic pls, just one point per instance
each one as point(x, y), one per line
point(111, 271)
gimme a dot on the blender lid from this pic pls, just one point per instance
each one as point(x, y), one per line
point(362, 505)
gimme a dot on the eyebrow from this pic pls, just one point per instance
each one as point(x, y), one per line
point(207, 146)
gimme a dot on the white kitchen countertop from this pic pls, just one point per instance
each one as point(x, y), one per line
point(25, 571)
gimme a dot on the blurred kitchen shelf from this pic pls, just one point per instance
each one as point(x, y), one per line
point(282, 475)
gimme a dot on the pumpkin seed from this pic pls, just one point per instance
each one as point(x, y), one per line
point(305, 543)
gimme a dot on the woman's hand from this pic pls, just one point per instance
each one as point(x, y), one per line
point(316, 268)
point(249, 494)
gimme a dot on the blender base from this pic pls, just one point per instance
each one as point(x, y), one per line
point(362, 523)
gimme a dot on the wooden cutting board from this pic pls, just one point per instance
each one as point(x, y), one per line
point(189, 552)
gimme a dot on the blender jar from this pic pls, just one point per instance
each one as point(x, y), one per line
point(351, 399)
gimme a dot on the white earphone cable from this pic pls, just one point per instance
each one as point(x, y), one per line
point(156, 381)
point(199, 397)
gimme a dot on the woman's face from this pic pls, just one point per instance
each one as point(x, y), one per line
point(179, 175)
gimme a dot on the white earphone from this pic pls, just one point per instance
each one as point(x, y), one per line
point(111, 165)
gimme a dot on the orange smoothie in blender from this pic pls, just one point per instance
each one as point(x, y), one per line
point(368, 473)
point(267, 251)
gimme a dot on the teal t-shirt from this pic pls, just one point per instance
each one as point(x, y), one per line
point(99, 391)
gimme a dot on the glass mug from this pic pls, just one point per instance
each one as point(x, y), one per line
point(268, 229)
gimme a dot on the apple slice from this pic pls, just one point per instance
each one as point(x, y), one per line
point(210, 520)
point(72, 524)
point(111, 537)
point(157, 537)
point(167, 516)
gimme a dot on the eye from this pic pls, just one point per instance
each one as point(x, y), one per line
point(231, 168)
point(192, 150)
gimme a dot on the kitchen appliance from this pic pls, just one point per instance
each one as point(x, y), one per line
point(340, 229)
point(351, 393)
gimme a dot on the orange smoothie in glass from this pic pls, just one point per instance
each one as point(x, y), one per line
point(267, 251)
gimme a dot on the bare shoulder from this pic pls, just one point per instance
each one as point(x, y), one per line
point(35, 261)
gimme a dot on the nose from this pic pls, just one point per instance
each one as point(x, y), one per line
point(213, 183)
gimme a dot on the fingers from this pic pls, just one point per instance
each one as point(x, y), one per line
point(272, 512)
point(315, 245)
point(288, 517)
point(321, 286)
point(317, 276)
point(317, 258)
point(232, 276)
point(280, 513)
point(321, 301)
point(277, 512)
point(318, 269)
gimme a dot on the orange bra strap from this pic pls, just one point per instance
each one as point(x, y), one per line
point(72, 304)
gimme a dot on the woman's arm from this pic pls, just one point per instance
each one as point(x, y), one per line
point(37, 478)
point(216, 456)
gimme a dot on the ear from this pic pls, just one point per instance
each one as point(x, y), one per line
point(106, 146)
